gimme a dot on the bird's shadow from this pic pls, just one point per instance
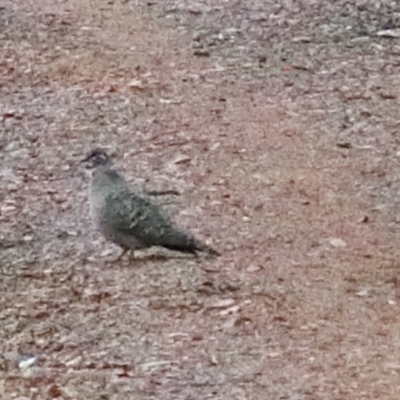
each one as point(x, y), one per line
point(160, 257)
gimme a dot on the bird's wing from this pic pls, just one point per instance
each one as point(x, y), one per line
point(134, 215)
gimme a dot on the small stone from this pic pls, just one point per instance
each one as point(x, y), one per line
point(389, 33)
point(26, 362)
point(197, 337)
point(337, 242)
point(222, 303)
point(202, 53)
point(253, 268)
point(53, 391)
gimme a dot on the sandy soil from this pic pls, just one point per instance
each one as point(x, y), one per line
point(278, 124)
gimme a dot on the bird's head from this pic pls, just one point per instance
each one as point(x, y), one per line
point(96, 158)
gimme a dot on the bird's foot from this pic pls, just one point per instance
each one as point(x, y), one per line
point(124, 251)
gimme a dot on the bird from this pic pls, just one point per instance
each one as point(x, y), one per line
point(129, 218)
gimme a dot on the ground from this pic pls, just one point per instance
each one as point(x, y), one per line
point(278, 124)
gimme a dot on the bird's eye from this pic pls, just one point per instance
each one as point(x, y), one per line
point(100, 159)
point(97, 158)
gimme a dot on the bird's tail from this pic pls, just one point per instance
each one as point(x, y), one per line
point(188, 244)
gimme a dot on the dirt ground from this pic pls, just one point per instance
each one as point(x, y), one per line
point(278, 124)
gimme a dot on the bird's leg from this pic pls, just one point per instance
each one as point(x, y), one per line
point(124, 251)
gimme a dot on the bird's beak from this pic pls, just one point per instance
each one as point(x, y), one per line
point(85, 160)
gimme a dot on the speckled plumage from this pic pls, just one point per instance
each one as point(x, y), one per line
point(129, 218)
